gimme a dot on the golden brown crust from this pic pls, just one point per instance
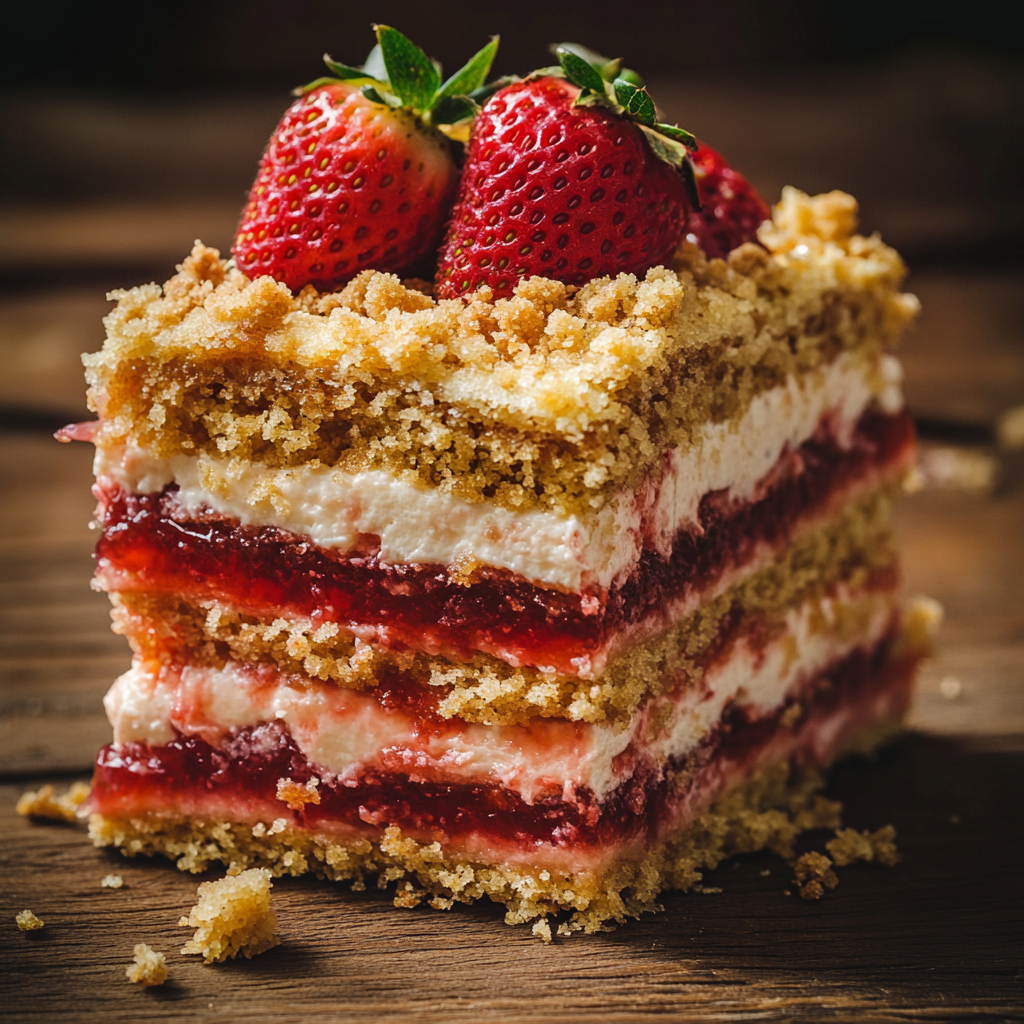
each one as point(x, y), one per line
point(767, 812)
point(554, 398)
point(849, 547)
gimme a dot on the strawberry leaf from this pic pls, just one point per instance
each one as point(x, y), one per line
point(641, 107)
point(579, 72)
point(412, 74)
point(471, 75)
point(344, 71)
point(690, 181)
point(672, 152)
point(453, 109)
point(679, 134)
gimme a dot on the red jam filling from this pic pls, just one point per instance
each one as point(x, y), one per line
point(134, 778)
point(269, 572)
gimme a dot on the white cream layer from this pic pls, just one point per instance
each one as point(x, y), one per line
point(417, 524)
point(345, 732)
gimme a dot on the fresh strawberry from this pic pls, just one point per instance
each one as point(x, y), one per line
point(731, 211)
point(566, 177)
point(358, 173)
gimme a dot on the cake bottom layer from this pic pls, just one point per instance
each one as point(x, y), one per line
point(765, 812)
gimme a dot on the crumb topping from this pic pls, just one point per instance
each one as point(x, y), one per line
point(46, 802)
point(232, 916)
point(553, 398)
point(149, 968)
point(112, 882)
point(28, 922)
point(813, 874)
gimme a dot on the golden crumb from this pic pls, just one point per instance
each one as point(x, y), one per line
point(112, 882)
point(46, 802)
point(542, 930)
point(28, 922)
point(232, 916)
point(813, 873)
point(295, 795)
point(149, 968)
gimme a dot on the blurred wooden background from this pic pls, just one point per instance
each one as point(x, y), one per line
point(109, 184)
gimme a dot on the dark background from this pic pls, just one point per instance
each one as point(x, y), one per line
point(917, 108)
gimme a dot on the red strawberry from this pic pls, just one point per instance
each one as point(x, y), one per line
point(358, 173)
point(568, 179)
point(731, 210)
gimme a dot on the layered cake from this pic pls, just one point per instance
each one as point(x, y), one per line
point(555, 592)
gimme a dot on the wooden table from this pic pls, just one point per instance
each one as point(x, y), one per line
point(938, 937)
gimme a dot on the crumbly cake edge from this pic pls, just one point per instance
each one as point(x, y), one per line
point(555, 398)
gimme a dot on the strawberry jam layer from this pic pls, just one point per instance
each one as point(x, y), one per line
point(150, 543)
point(190, 777)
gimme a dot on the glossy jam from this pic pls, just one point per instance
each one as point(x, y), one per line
point(865, 688)
point(153, 545)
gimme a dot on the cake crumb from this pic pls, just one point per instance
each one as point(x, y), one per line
point(150, 967)
point(296, 795)
point(564, 930)
point(46, 802)
point(232, 916)
point(28, 922)
point(814, 875)
point(542, 930)
point(877, 847)
point(766, 873)
point(112, 882)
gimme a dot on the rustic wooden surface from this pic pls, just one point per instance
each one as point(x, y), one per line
point(939, 937)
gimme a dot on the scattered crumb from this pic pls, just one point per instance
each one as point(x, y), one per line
point(765, 873)
point(296, 795)
point(150, 967)
point(875, 847)
point(814, 875)
point(407, 896)
point(954, 819)
point(28, 922)
point(705, 888)
point(786, 892)
point(951, 688)
point(542, 930)
point(46, 802)
point(232, 916)
point(564, 930)
point(112, 882)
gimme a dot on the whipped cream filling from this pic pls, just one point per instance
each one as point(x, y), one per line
point(416, 524)
point(345, 732)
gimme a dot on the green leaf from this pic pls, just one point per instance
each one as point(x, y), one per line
point(471, 75)
point(579, 72)
point(641, 107)
point(375, 97)
point(412, 75)
point(344, 71)
point(679, 134)
point(453, 109)
point(624, 91)
point(666, 149)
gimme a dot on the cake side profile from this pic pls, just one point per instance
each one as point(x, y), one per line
point(557, 597)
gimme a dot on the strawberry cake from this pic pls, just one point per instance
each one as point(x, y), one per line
point(555, 581)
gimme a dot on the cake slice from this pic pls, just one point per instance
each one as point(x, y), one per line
point(555, 581)
point(556, 599)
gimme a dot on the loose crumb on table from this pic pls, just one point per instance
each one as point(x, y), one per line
point(46, 802)
point(28, 922)
point(149, 968)
point(232, 916)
